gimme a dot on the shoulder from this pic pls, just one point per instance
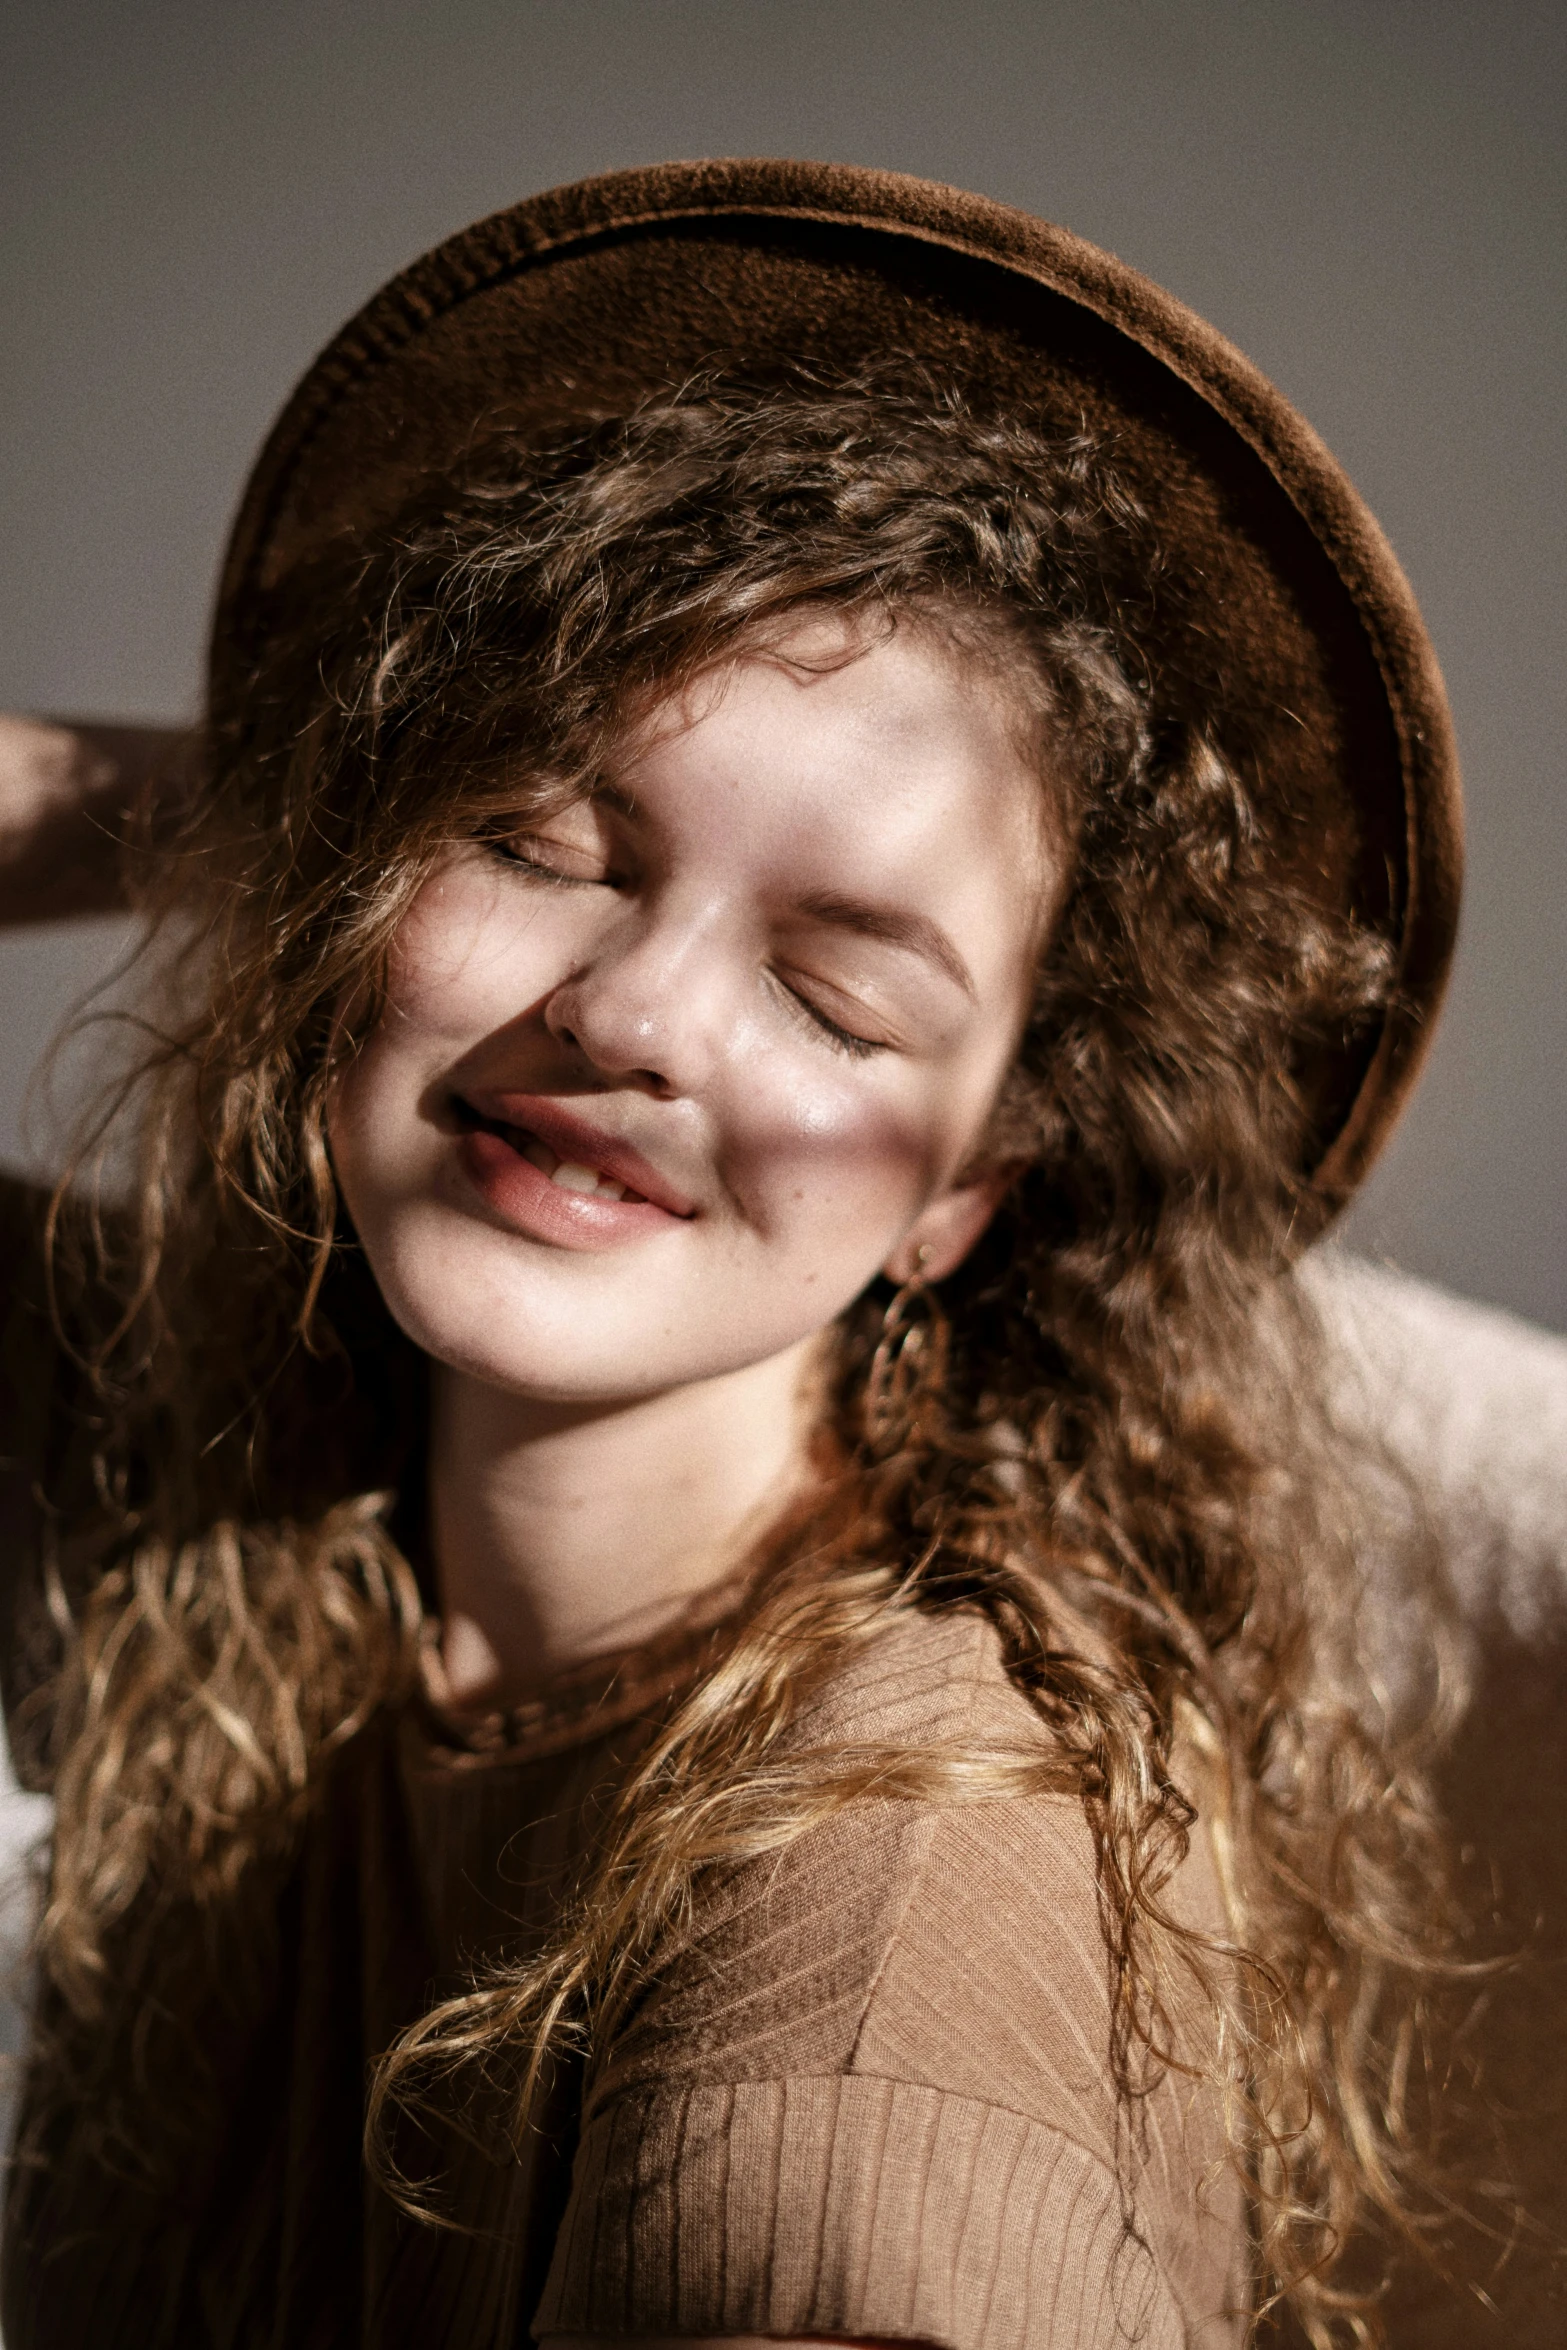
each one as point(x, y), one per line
point(874, 2068)
point(790, 1960)
point(925, 1676)
point(952, 1938)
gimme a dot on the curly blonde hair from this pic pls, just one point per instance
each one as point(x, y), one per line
point(1117, 1452)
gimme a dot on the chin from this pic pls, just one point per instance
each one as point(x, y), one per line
point(509, 1333)
point(543, 1326)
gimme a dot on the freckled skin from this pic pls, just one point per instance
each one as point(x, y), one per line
point(651, 990)
point(655, 987)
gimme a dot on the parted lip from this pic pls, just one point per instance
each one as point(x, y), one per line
point(577, 1139)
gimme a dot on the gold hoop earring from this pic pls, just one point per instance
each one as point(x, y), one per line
point(908, 1366)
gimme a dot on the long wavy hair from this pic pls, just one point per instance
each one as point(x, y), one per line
point(1109, 1437)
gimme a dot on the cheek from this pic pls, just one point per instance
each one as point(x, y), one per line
point(852, 1152)
point(458, 966)
point(451, 977)
point(375, 1137)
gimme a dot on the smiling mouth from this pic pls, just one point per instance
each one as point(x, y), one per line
point(566, 1174)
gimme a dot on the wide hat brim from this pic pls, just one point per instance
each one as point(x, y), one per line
point(1289, 619)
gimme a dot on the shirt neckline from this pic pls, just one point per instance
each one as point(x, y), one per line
point(587, 1701)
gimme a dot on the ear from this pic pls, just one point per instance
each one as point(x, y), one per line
point(944, 1231)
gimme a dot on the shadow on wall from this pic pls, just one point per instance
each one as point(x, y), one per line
point(44, 972)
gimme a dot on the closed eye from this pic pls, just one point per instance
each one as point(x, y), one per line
point(843, 1040)
point(551, 862)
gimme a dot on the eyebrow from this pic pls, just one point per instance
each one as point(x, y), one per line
point(916, 932)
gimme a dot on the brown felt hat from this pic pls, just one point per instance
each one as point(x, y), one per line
point(1283, 606)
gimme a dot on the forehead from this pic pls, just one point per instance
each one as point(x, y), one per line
point(840, 733)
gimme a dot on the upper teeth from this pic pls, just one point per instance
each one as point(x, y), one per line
point(568, 1174)
point(572, 1178)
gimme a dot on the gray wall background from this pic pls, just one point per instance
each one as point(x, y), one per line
point(1368, 199)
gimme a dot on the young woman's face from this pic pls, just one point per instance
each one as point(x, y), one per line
point(659, 1087)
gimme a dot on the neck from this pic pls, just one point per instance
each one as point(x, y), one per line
point(564, 1532)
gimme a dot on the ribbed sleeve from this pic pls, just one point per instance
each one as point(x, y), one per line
point(851, 2206)
point(866, 2089)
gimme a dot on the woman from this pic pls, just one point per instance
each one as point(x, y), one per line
point(686, 1572)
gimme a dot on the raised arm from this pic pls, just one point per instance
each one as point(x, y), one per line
point(67, 790)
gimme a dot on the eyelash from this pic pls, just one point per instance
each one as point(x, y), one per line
point(509, 854)
point(840, 1039)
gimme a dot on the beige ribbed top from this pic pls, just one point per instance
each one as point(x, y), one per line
point(867, 2093)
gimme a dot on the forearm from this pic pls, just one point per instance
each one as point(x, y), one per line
point(67, 792)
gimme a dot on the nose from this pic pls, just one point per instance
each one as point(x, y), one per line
point(646, 1005)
